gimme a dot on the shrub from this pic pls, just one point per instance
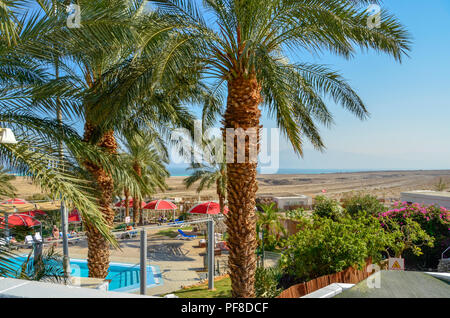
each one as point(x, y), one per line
point(358, 203)
point(327, 207)
point(434, 220)
point(296, 214)
point(405, 235)
point(21, 231)
point(38, 197)
point(267, 282)
point(325, 246)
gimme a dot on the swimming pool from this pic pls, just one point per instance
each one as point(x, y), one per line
point(124, 277)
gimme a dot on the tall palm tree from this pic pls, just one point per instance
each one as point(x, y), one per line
point(248, 51)
point(92, 59)
point(146, 156)
point(212, 172)
point(113, 37)
point(34, 156)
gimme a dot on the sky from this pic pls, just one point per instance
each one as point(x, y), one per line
point(409, 126)
point(408, 102)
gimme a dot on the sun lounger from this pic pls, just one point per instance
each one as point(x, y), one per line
point(6, 243)
point(29, 239)
point(176, 222)
point(129, 234)
point(183, 235)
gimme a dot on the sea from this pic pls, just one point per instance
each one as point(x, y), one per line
point(183, 172)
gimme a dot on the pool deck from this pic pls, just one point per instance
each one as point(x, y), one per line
point(180, 261)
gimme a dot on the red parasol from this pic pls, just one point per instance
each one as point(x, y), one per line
point(34, 213)
point(14, 201)
point(208, 208)
point(74, 216)
point(160, 205)
point(20, 219)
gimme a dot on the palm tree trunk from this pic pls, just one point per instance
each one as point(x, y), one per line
point(244, 96)
point(136, 201)
point(220, 195)
point(141, 216)
point(98, 246)
point(127, 202)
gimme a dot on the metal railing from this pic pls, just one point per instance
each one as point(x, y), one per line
point(442, 255)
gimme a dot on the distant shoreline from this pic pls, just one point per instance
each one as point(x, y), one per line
point(293, 172)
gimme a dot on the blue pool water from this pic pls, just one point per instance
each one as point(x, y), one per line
point(124, 277)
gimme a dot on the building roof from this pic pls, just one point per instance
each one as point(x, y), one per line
point(428, 193)
point(401, 284)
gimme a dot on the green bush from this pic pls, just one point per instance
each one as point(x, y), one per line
point(434, 220)
point(296, 214)
point(325, 246)
point(404, 236)
point(358, 203)
point(327, 207)
point(267, 282)
point(20, 231)
point(38, 197)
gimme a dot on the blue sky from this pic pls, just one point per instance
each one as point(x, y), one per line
point(409, 126)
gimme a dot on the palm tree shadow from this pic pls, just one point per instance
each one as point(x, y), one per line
point(168, 252)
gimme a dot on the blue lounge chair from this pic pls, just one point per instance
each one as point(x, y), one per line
point(176, 222)
point(185, 236)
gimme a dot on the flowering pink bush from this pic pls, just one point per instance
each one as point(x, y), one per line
point(433, 219)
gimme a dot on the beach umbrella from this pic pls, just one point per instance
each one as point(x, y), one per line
point(211, 208)
point(34, 213)
point(20, 219)
point(74, 216)
point(161, 205)
point(14, 201)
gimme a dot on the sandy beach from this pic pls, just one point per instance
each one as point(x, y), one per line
point(383, 184)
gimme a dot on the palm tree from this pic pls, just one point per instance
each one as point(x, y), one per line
point(89, 55)
point(269, 220)
point(35, 155)
point(109, 85)
point(212, 172)
point(46, 267)
point(6, 188)
point(146, 156)
point(247, 51)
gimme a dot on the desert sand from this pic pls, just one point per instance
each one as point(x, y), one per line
point(383, 184)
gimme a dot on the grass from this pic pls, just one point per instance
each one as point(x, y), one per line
point(222, 290)
point(168, 232)
point(173, 232)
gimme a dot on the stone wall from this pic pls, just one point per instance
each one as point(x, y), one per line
point(444, 265)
